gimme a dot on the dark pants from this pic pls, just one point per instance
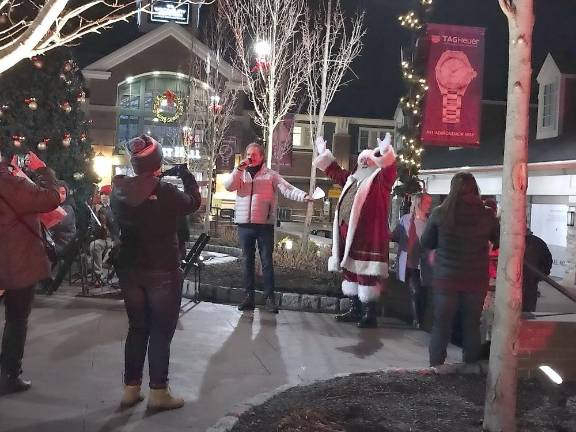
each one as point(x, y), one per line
point(18, 306)
point(446, 304)
point(264, 235)
point(152, 301)
point(419, 295)
point(65, 259)
point(529, 294)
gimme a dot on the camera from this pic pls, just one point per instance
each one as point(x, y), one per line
point(176, 171)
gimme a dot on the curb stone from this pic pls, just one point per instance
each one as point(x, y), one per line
point(226, 423)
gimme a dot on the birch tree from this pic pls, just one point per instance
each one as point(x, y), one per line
point(33, 27)
point(213, 98)
point(331, 43)
point(501, 392)
point(269, 54)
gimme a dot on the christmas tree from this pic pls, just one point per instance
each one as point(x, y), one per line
point(41, 111)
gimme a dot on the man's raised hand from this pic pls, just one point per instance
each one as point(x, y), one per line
point(384, 145)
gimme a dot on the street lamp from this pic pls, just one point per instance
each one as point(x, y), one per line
point(263, 50)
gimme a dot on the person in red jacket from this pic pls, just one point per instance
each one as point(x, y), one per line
point(361, 233)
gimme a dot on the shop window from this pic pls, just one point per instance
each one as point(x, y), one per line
point(368, 137)
point(127, 128)
point(549, 106)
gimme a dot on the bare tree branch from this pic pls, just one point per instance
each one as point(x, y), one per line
point(274, 81)
point(55, 23)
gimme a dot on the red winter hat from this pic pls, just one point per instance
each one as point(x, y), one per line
point(145, 154)
point(106, 190)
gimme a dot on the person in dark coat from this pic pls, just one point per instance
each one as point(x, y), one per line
point(23, 259)
point(149, 213)
point(538, 255)
point(64, 236)
point(459, 232)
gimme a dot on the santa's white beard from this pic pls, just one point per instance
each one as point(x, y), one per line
point(362, 173)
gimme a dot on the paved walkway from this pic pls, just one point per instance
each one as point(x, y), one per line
point(220, 358)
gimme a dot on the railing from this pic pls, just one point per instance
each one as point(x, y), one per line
point(544, 277)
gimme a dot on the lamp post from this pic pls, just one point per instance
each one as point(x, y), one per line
point(215, 108)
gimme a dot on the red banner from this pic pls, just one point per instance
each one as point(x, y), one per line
point(282, 143)
point(452, 111)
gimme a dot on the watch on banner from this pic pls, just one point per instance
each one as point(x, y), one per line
point(453, 74)
point(168, 107)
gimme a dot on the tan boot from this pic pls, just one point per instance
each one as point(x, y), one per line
point(161, 399)
point(131, 396)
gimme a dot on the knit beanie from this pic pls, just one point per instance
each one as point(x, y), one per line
point(145, 154)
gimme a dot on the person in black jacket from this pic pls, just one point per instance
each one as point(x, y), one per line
point(538, 255)
point(149, 212)
point(459, 231)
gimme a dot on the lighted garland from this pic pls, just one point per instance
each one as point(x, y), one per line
point(160, 102)
point(410, 155)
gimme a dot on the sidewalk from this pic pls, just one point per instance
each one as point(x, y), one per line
point(220, 357)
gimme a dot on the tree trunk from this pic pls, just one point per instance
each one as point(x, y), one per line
point(500, 405)
point(319, 122)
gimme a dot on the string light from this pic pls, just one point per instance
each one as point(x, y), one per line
point(410, 156)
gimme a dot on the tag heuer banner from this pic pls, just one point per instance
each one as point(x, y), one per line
point(452, 109)
point(282, 143)
point(226, 152)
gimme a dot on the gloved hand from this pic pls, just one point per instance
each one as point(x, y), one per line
point(384, 145)
point(179, 170)
point(320, 145)
point(33, 162)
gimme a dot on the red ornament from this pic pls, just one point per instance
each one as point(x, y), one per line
point(170, 97)
point(32, 104)
point(18, 140)
point(66, 140)
point(68, 66)
point(42, 145)
point(66, 106)
point(37, 62)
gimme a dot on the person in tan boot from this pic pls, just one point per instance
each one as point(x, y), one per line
point(149, 212)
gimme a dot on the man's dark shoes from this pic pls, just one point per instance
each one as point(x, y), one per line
point(247, 304)
point(271, 306)
point(370, 317)
point(10, 384)
point(354, 313)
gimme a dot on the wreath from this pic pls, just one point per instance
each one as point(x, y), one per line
point(164, 100)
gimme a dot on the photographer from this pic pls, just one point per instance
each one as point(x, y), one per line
point(149, 212)
point(105, 236)
point(23, 260)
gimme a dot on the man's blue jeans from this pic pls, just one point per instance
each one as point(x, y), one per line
point(263, 234)
point(446, 304)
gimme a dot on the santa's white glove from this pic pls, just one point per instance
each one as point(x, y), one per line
point(320, 145)
point(384, 145)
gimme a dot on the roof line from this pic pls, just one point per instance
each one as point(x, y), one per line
point(491, 168)
point(152, 38)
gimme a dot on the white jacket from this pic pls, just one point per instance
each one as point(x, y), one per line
point(256, 198)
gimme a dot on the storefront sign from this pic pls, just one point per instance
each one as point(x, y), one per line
point(170, 11)
point(452, 111)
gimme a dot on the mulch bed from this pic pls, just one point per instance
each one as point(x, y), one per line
point(286, 280)
point(401, 402)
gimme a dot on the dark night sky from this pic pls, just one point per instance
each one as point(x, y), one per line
point(376, 91)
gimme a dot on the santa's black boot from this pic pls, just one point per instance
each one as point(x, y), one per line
point(354, 313)
point(370, 317)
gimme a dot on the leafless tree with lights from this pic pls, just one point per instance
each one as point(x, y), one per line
point(213, 100)
point(269, 54)
point(331, 42)
point(29, 28)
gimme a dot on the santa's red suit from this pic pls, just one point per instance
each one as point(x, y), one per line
point(361, 233)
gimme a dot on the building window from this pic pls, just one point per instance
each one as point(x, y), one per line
point(301, 137)
point(136, 110)
point(549, 106)
point(368, 137)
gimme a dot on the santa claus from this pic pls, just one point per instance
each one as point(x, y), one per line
point(361, 234)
